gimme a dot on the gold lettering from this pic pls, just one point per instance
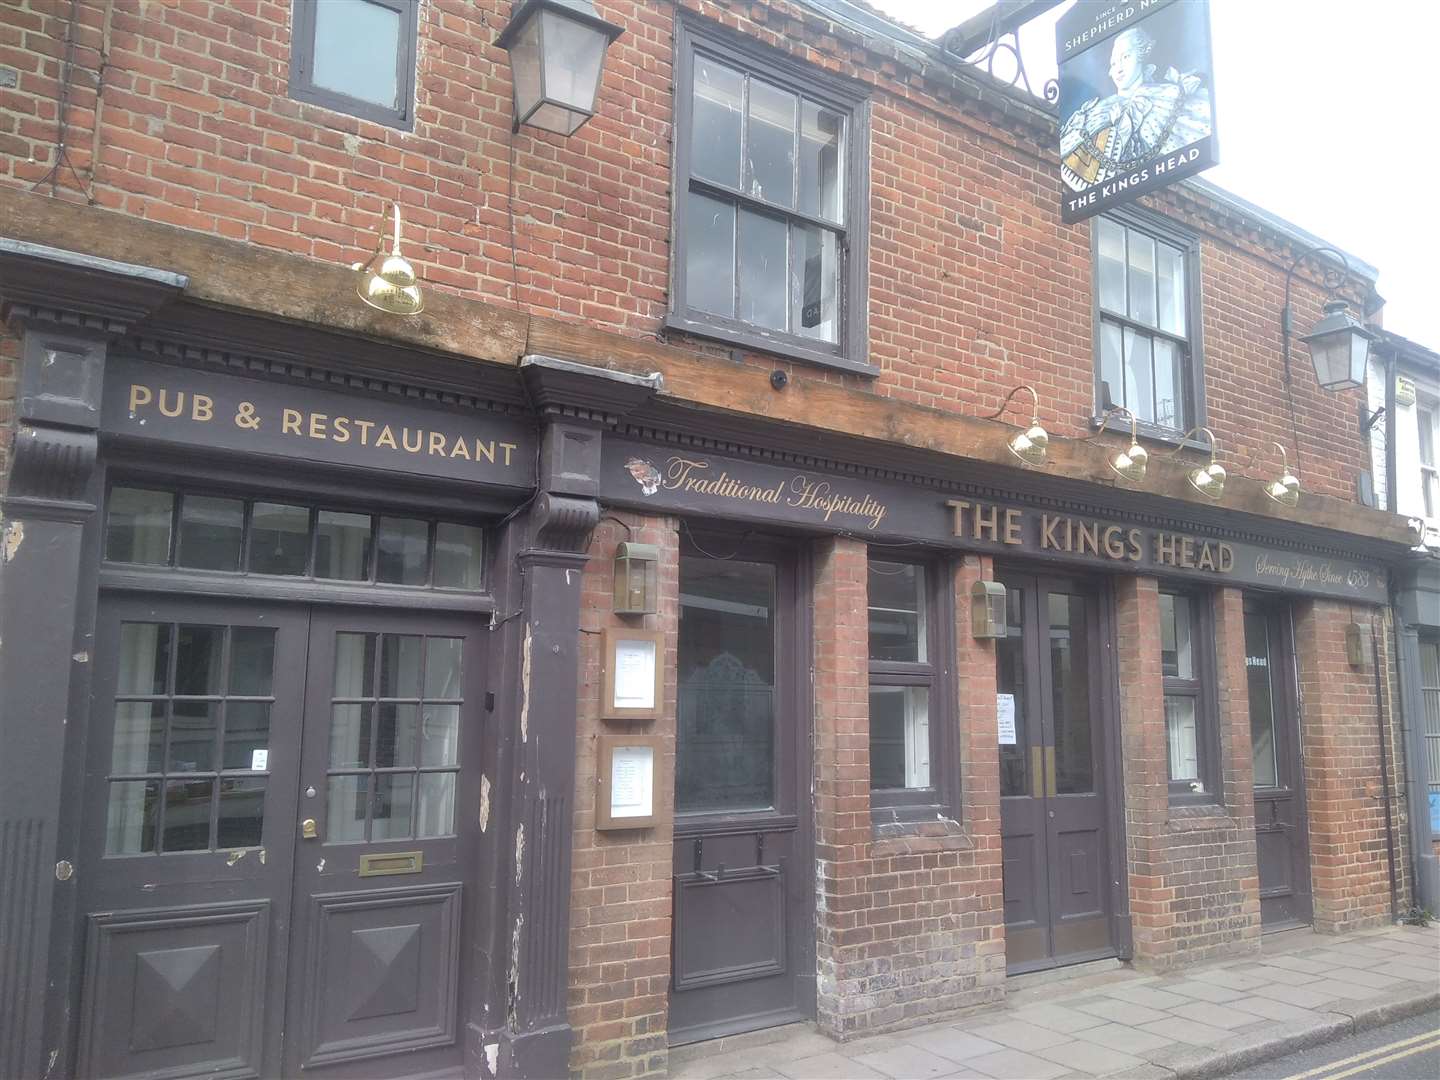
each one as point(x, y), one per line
point(486, 450)
point(1187, 552)
point(1089, 538)
point(1227, 558)
point(178, 407)
point(1206, 560)
point(1047, 532)
point(1136, 548)
point(461, 450)
point(436, 443)
point(317, 425)
point(987, 519)
point(340, 429)
point(957, 512)
point(1110, 538)
point(1012, 527)
point(139, 395)
point(290, 422)
point(364, 426)
point(202, 409)
point(1069, 534)
point(1165, 549)
point(508, 447)
point(386, 438)
point(405, 440)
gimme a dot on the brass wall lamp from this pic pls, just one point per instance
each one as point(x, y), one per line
point(1286, 489)
point(392, 288)
point(1208, 480)
point(1031, 446)
point(1133, 462)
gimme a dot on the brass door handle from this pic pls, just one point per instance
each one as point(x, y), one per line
point(308, 829)
point(1042, 771)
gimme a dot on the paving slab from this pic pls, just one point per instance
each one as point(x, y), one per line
point(955, 1044)
point(1151, 996)
point(1090, 1058)
point(1204, 991)
point(1017, 1065)
point(1230, 977)
point(1191, 1032)
point(1270, 1009)
point(1300, 963)
point(1125, 1039)
point(1221, 1016)
point(1348, 991)
point(1067, 1018)
point(1122, 1012)
point(831, 1066)
point(1307, 997)
point(760, 1072)
point(907, 1062)
point(1021, 1036)
point(1378, 978)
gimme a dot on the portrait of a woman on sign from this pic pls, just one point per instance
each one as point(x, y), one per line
point(1140, 95)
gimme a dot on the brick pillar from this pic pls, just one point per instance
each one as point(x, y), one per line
point(1341, 750)
point(621, 881)
point(1142, 741)
point(842, 780)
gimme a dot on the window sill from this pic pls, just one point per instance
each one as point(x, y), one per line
point(938, 833)
point(1150, 432)
point(758, 341)
point(1198, 813)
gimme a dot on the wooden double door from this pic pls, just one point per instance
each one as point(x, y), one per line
point(276, 870)
point(743, 948)
point(1055, 722)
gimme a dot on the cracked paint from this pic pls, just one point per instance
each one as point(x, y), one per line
point(235, 856)
point(525, 687)
point(15, 536)
point(320, 867)
point(81, 657)
point(492, 1057)
point(514, 979)
point(484, 802)
point(262, 856)
point(519, 851)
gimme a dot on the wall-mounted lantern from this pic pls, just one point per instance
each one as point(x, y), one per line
point(987, 610)
point(637, 579)
point(1032, 445)
point(1339, 348)
point(1355, 645)
point(557, 54)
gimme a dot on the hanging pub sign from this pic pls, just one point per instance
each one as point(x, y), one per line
point(1137, 107)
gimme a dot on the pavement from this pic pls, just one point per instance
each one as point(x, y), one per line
point(1405, 1050)
point(1303, 989)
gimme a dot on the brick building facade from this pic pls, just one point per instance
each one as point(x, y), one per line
point(865, 814)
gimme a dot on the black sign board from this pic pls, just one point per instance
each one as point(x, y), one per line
point(193, 407)
point(680, 481)
point(1137, 103)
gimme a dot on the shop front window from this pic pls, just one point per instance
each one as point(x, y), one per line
point(1190, 736)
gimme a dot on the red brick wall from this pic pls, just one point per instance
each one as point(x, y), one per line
point(621, 881)
point(1343, 778)
point(1194, 886)
point(908, 926)
point(975, 285)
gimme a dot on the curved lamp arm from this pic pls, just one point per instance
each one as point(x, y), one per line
point(1034, 402)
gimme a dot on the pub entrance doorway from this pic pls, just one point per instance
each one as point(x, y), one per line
point(1055, 734)
point(743, 931)
point(1282, 835)
point(273, 866)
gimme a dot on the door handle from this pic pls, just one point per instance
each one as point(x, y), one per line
point(308, 829)
point(1037, 771)
point(1050, 788)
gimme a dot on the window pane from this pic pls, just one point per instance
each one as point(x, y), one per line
point(356, 44)
point(1070, 684)
point(442, 667)
point(1425, 425)
point(822, 162)
point(762, 270)
point(1112, 362)
point(439, 734)
point(133, 815)
point(458, 549)
point(187, 815)
point(1180, 737)
point(354, 665)
point(242, 812)
point(1175, 652)
point(252, 660)
point(1262, 702)
point(211, 531)
point(279, 538)
point(715, 131)
point(137, 529)
point(394, 801)
point(139, 743)
point(350, 736)
point(400, 666)
point(1169, 393)
point(1112, 266)
point(395, 732)
point(436, 815)
point(345, 799)
point(1141, 250)
point(402, 551)
point(710, 255)
point(144, 658)
point(247, 730)
point(899, 737)
point(198, 659)
point(814, 283)
point(193, 728)
point(1139, 389)
point(1171, 287)
point(725, 743)
point(897, 611)
point(342, 546)
point(770, 172)
point(1010, 681)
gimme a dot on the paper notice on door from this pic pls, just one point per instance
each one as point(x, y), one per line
point(259, 760)
point(1005, 716)
point(634, 674)
point(632, 781)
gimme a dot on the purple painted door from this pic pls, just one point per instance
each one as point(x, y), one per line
point(743, 939)
point(1052, 774)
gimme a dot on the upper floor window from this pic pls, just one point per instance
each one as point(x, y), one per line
point(356, 57)
point(1148, 356)
point(1191, 736)
point(1427, 417)
point(769, 247)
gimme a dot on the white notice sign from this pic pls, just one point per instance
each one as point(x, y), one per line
point(632, 775)
point(259, 760)
point(1005, 715)
point(634, 674)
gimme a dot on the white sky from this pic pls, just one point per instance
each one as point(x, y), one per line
point(1326, 113)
